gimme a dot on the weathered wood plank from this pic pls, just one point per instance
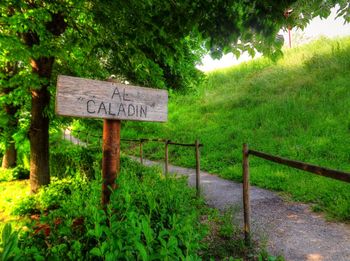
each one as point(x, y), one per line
point(166, 158)
point(185, 144)
point(330, 173)
point(246, 194)
point(198, 168)
point(101, 99)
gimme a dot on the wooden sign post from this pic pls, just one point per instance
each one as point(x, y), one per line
point(110, 157)
point(112, 102)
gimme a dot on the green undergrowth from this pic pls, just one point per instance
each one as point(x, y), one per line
point(297, 108)
point(11, 194)
point(14, 186)
point(67, 160)
point(19, 172)
point(150, 217)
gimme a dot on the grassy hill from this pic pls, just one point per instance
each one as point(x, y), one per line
point(298, 108)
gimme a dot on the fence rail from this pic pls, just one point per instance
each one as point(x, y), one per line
point(141, 141)
point(321, 171)
point(166, 142)
point(330, 173)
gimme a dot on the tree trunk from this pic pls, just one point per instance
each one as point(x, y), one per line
point(10, 156)
point(9, 159)
point(39, 127)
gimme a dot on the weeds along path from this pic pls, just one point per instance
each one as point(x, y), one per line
point(290, 229)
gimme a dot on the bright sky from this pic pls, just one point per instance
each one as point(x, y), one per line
point(329, 27)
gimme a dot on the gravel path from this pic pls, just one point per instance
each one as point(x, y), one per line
point(67, 135)
point(291, 229)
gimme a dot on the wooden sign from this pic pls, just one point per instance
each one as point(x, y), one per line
point(109, 100)
point(113, 102)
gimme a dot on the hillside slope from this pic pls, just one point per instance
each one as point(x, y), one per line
point(297, 108)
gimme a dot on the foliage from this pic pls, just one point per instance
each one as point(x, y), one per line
point(11, 193)
point(16, 173)
point(225, 240)
point(20, 172)
point(296, 108)
point(304, 11)
point(5, 174)
point(50, 197)
point(150, 217)
point(67, 160)
point(9, 244)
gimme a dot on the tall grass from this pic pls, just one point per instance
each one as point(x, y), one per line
point(297, 107)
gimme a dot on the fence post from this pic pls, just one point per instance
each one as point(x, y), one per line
point(78, 140)
point(141, 152)
point(166, 161)
point(197, 168)
point(246, 200)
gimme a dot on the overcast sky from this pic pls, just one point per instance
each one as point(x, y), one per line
point(329, 27)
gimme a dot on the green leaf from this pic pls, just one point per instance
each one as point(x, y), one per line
point(6, 233)
point(142, 250)
point(38, 257)
point(96, 252)
point(147, 231)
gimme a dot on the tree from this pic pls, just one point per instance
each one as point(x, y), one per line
point(157, 43)
point(33, 34)
point(9, 119)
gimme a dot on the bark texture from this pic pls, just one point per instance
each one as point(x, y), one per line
point(39, 140)
point(9, 159)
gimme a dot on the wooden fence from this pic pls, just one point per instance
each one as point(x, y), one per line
point(321, 171)
point(330, 173)
point(166, 142)
point(84, 140)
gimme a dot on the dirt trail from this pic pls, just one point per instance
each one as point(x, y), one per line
point(291, 229)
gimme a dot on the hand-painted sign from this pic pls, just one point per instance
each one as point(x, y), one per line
point(101, 99)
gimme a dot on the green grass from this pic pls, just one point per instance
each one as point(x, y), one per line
point(297, 108)
point(11, 193)
point(150, 217)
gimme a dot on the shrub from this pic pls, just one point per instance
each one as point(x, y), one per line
point(5, 174)
point(20, 172)
point(149, 217)
point(68, 160)
point(9, 244)
point(51, 197)
point(16, 173)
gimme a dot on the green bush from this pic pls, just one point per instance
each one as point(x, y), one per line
point(26, 206)
point(16, 173)
point(68, 160)
point(149, 217)
point(20, 172)
point(152, 217)
point(8, 244)
point(50, 197)
point(5, 174)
